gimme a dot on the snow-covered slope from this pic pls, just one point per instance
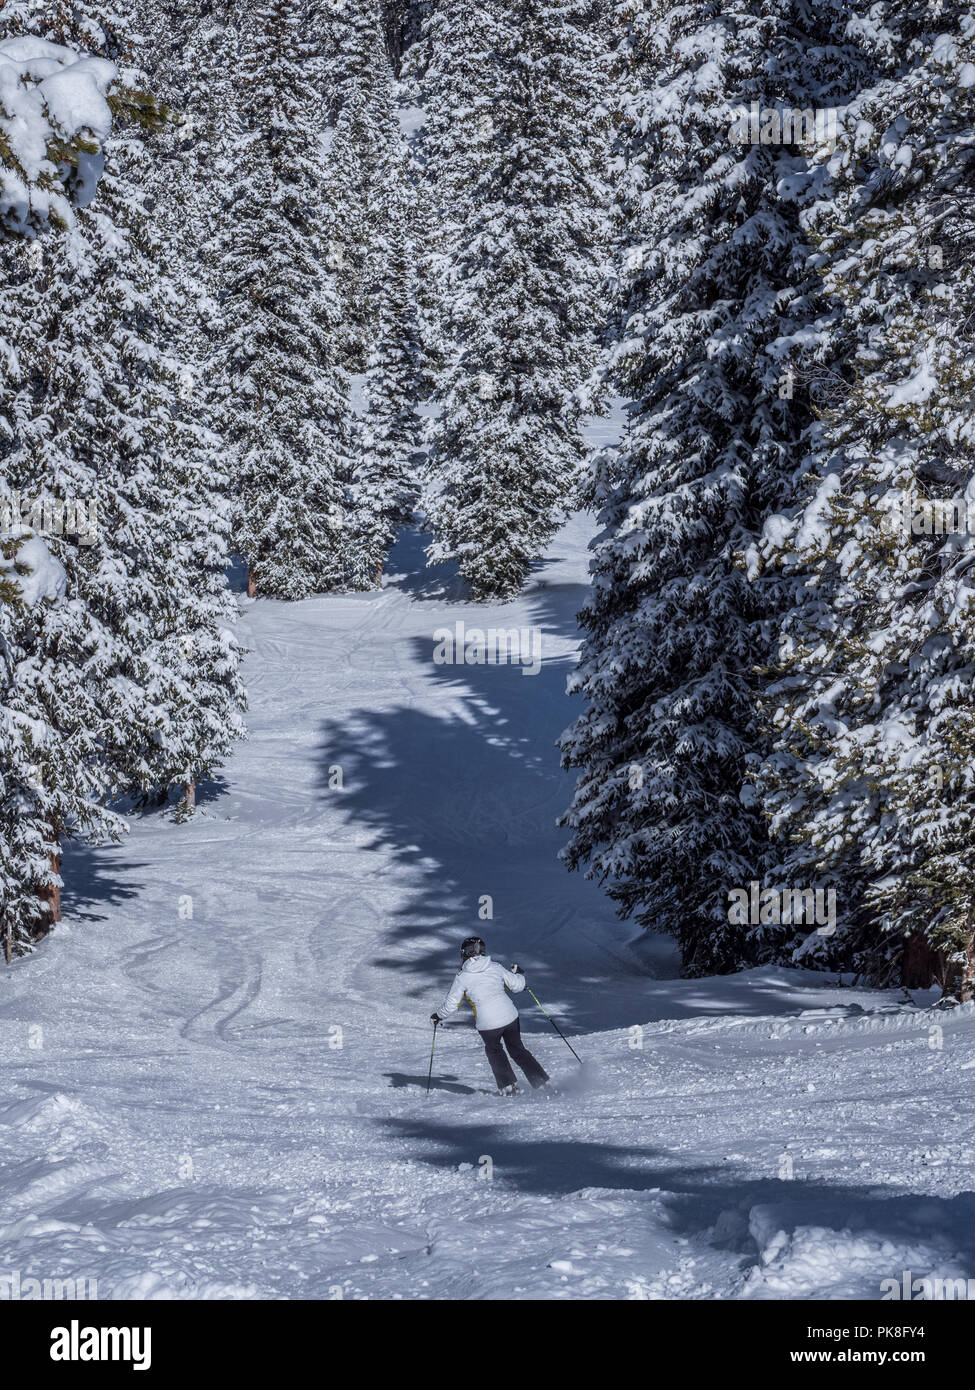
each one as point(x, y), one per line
point(213, 1072)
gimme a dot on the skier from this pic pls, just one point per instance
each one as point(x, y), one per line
point(483, 982)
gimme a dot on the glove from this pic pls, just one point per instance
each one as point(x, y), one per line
point(435, 1019)
point(516, 970)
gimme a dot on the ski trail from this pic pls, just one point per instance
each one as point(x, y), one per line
point(215, 1071)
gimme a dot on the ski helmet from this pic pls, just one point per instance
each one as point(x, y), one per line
point(472, 946)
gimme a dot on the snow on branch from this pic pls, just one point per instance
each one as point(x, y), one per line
point(54, 119)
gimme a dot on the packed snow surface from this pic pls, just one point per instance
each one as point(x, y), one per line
point(214, 1072)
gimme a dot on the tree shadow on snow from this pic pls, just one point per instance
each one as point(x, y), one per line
point(95, 879)
point(465, 798)
point(208, 789)
point(463, 791)
point(710, 1201)
point(406, 569)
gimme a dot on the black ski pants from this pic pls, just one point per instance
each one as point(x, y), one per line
point(510, 1035)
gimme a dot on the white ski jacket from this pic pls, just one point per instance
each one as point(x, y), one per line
point(482, 980)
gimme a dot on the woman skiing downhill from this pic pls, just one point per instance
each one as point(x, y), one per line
point(483, 982)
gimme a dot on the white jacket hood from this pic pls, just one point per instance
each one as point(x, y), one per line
point(484, 982)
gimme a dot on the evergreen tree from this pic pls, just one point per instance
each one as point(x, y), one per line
point(871, 782)
point(52, 770)
point(48, 771)
point(713, 286)
point(447, 70)
point(189, 56)
point(386, 477)
point(354, 54)
point(364, 178)
point(517, 181)
point(127, 676)
point(285, 407)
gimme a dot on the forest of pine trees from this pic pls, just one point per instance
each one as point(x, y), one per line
point(284, 277)
point(777, 671)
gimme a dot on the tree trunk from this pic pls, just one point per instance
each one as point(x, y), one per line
point(921, 966)
point(251, 584)
point(189, 797)
point(966, 985)
point(377, 577)
point(50, 895)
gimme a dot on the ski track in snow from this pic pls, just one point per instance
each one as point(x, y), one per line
point(178, 1119)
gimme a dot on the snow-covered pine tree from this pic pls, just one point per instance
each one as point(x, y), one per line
point(131, 668)
point(373, 203)
point(364, 170)
point(95, 454)
point(354, 54)
point(26, 847)
point(402, 21)
point(516, 168)
point(871, 780)
point(385, 483)
point(712, 272)
point(45, 779)
point(188, 51)
point(190, 643)
point(53, 769)
point(116, 300)
point(444, 70)
point(285, 405)
point(450, 64)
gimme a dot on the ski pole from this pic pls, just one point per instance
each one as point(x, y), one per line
point(432, 1046)
point(556, 1027)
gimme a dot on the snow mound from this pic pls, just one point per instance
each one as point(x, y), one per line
point(814, 1251)
point(39, 1112)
